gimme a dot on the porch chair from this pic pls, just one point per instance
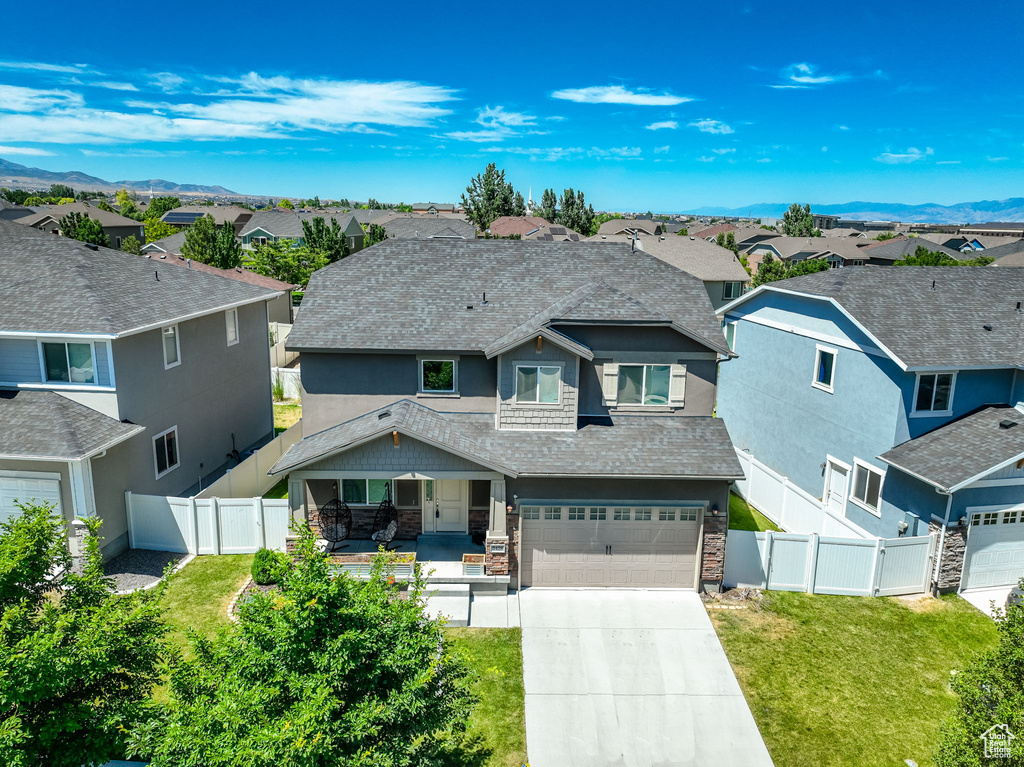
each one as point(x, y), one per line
point(335, 523)
point(385, 523)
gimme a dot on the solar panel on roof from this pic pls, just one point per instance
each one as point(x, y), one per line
point(180, 218)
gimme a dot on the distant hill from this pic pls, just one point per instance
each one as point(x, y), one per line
point(960, 213)
point(17, 176)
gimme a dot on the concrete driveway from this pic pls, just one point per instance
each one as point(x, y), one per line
point(632, 679)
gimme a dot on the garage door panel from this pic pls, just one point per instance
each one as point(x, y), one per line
point(995, 552)
point(15, 490)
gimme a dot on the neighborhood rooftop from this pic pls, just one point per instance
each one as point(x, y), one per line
point(704, 260)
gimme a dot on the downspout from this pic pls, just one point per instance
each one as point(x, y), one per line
point(942, 541)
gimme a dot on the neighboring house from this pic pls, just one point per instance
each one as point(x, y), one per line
point(532, 228)
point(9, 211)
point(564, 415)
point(823, 222)
point(368, 217)
point(170, 246)
point(869, 226)
point(433, 208)
point(711, 233)
point(409, 226)
point(843, 231)
point(839, 252)
point(120, 374)
point(1011, 254)
point(630, 226)
point(186, 215)
point(967, 243)
point(994, 228)
point(889, 251)
point(118, 228)
point(719, 269)
point(890, 394)
point(282, 224)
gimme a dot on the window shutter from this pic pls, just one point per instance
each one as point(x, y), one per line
point(677, 385)
point(610, 383)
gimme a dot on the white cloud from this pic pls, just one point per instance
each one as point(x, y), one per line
point(711, 126)
point(843, 127)
point(14, 98)
point(491, 117)
point(43, 67)
point(790, 87)
point(807, 74)
point(705, 158)
point(499, 124)
point(480, 136)
point(27, 150)
point(616, 94)
point(730, 150)
point(663, 125)
point(997, 159)
point(661, 149)
point(167, 81)
point(541, 154)
point(114, 86)
point(765, 159)
point(615, 153)
point(948, 162)
point(824, 149)
point(913, 154)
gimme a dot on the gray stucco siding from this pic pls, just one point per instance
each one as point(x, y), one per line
point(340, 386)
point(972, 389)
point(516, 415)
point(381, 455)
point(903, 495)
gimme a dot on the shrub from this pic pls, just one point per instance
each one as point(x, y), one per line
point(277, 388)
point(269, 567)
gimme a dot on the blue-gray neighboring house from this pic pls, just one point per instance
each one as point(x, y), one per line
point(895, 396)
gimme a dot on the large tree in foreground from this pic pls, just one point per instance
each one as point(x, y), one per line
point(77, 661)
point(326, 671)
point(488, 197)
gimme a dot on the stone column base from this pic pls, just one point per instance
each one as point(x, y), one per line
point(951, 557)
point(497, 555)
point(712, 551)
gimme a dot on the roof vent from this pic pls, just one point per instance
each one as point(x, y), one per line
point(987, 327)
point(469, 306)
point(933, 284)
point(1018, 307)
point(484, 302)
point(1007, 424)
point(92, 246)
point(385, 414)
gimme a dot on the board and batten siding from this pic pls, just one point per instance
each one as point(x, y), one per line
point(545, 417)
point(20, 364)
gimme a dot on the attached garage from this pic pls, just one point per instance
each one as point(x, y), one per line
point(598, 545)
point(995, 549)
point(24, 488)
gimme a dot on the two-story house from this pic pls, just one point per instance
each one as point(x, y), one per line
point(895, 396)
point(120, 373)
point(554, 399)
point(280, 224)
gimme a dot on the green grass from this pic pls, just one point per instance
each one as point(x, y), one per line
point(280, 490)
point(198, 596)
point(742, 516)
point(285, 416)
point(497, 658)
point(851, 681)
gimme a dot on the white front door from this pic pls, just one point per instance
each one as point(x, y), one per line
point(836, 476)
point(451, 506)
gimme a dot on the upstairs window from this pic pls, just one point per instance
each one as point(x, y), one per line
point(437, 376)
point(537, 384)
point(731, 290)
point(69, 363)
point(824, 368)
point(934, 393)
point(643, 384)
point(231, 321)
point(172, 349)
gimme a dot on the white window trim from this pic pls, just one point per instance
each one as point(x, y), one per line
point(735, 329)
point(915, 413)
point(228, 315)
point(177, 346)
point(829, 461)
point(177, 447)
point(818, 349)
point(366, 491)
point(455, 376)
point(538, 365)
point(69, 384)
point(643, 391)
point(725, 292)
point(881, 484)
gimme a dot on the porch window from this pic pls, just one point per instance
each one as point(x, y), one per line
point(407, 493)
point(867, 486)
point(69, 363)
point(552, 512)
point(643, 384)
point(437, 376)
point(577, 513)
point(621, 514)
point(538, 384)
point(643, 514)
point(479, 494)
point(934, 393)
point(364, 491)
point(666, 515)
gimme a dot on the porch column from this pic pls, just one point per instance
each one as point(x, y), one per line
point(496, 524)
point(297, 499)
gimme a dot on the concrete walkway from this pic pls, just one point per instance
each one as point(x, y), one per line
point(631, 679)
point(983, 599)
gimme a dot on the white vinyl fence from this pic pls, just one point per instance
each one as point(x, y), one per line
point(828, 565)
point(206, 525)
point(290, 379)
point(250, 477)
point(787, 505)
point(279, 356)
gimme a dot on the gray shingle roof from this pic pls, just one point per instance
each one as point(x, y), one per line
point(170, 244)
point(1010, 254)
point(704, 260)
point(415, 226)
point(960, 451)
point(944, 326)
point(58, 285)
point(893, 250)
point(57, 212)
point(43, 424)
point(281, 222)
point(414, 294)
point(617, 225)
point(690, 447)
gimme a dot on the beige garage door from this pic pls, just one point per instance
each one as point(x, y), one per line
point(641, 546)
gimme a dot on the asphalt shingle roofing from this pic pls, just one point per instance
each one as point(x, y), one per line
point(417, 294)
point(689, 447)
point(964, 449)
point(704, 260)
point(58, 285)
point(952, 316)
point(415, 226)
point(42, 424)
point(288, 223)
point(895, 249)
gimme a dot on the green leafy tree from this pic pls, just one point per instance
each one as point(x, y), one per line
point(924, 257)
point(33, 201)
point(328, 239)
point(77, 662)
point(345, 203)
point(131, 244)
point(798, 222)
point(374, 233)
point(61, 190)
point(403, 208)
point(201, 240)
point(684, 232)
point(104, 205)
point(773, 270)
point(518, 205)
point(78, 226)
point(286, 203)
point(127, 205)
point(65, 200)
point(283, 261)
point(990, 693)
point(158, 206)
point(327, 670)
point(488, 197)
point(157, 230)
point(549, 205)
point(882, 236)
point(574, 213)
point(228, 250)
point(15, 196)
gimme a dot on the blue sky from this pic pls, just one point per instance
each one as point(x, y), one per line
point(660, 106)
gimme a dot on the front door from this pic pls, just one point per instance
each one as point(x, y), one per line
point(835, 486)
point(451, 506)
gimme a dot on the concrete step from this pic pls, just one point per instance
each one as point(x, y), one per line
point(447, 590)
point(454, 609)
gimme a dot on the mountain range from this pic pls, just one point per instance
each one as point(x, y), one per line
point(23, 177)
point(959, 213)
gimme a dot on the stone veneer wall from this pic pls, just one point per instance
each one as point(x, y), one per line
point(410, 522)
point(546, 417)
point(712, 560)
point(507, 563)
point(951, 558)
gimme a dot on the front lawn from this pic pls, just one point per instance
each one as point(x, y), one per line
point(851, 681)
point(743, 516)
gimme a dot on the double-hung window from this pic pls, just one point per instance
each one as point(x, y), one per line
point(538, 384)
point(165, 449)
point(172, 347)
point(934, 394)
point(644, 384)
point(437, 376)
point(731, 290)
point(69, 363)
point(231, 322)
point(867, 486)
point(824, 368)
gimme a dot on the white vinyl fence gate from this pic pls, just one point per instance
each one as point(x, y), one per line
point(827, 565)
point(206, 525)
